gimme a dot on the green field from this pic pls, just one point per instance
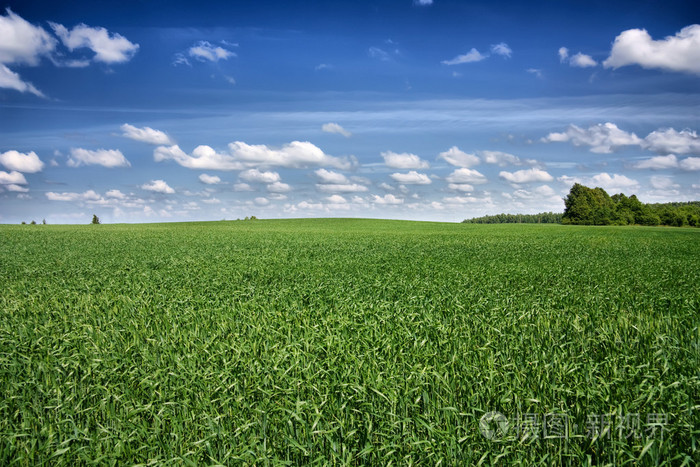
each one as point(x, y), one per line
point(337, 341)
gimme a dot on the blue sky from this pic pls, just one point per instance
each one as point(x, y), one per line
point(443, 110)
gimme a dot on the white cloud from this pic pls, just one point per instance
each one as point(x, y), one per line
point(21, 41)
point(335, 128)
point(501, 49)
point(89, 195)
point(462, 200)
point(115, 194)
point(341, 188)
point(461, 187)
point(329, 176)
point(11, 80)
point(203, 157)
point(261, 201)
point(582, 61)
point(204, 50)
point(535, 71)
point(278, 187)
point(423, 2)
point(12, 178)
point(109, 158)
point(502, 158)
point(146, 135)
point(690, 164)
point(663, 183)
point(674, 53)
point(108, 48)
point(465, 175)
point(336, 199)
point(209, 179)
point(602, 138)
point(526, 176)
point(458, 158)
point(256, 176)
point(21, 162)
point(412, 178)
point(658, 163)
point(404, 161)
point(158, 186)
point(472, 56)
point(387, 199)
point(16, 188)
point(296, 154)
point(242, 187)
point(614, 183)
point(563, 54)
point(668, 140)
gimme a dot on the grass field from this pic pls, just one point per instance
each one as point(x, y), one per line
point(349, 342)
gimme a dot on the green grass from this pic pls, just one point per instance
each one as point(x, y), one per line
point(345, 342)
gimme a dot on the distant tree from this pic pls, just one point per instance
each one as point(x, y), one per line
point(24, 223)
point(95, 219)
point(253, 218)
point(33, 222)
point(588, 206)
point(43, 221)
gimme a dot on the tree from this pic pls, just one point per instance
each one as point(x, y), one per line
point(588, 206)
point(95, 219)
point(33, 222)
point(43, 221)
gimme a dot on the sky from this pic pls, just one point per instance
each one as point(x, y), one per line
point(439, 110)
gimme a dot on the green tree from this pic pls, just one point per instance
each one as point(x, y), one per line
point(95, 219)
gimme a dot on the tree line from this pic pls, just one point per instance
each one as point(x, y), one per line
point(594, 206)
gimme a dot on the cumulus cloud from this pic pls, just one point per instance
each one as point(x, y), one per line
point(11, 80)
point(146, 135)
point(690, 164)
point(582, 61)
point(329, 176)
point(412, 178)
point(404, 161)
point(205, 51)
point(671, 141)
point(209, 179)
point(21, 162)
point(680, 52)
point(602, 138)
point(423, 2)
point(526, 176)
point(658, 163)
point(340, 187)
point(203, 157)
point(469, 176)
point(503, 159)
point(21, 43)
point(336, 199)
point(470, 57)
point(663, 183)
point(109, 158)
point(278, 187)
point(256, 176)
point(335, 128)
point(501, 49)
point(296, 154)
point(614, 183)
point(261, 201)
point(461, 187)
point(458, 158)
point(12, 178)
point(387, 199)
point(579, 60)
point(115, 194)
point(89, 195)
point(563, 54)
point(108, 47)
point(242, 187)
point(158, 186)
